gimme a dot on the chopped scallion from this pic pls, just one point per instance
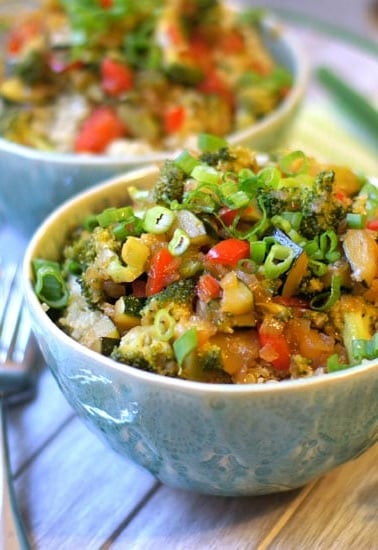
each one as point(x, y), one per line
point(90, 222)
point(237, 200)
point(205, 174)
point(258, 251)
point(278, 261)
point(50, 286)
point(318, 268)
point(158, 220)
point(113, 215)
point(211, 143)
point(334, 365)
point(328, 244)
point(325, 300)
point(365, 349)
point(185, 344)
point(186, 162)
point(270, 176)
point(293, 163)
point(164, 325)
point(179, 243)
point(356, 221)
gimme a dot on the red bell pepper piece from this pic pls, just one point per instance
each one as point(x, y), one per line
point(229, 252)
point(174, 119)
point(19, 36)
point(98, 131)
point(232, 42)
point(340, 195)
point(227, 215)
point(214, 84)
point(278, 346)
point(208, 288)
point(372, 224)
point(116, 77)
point(163, 271)
point(200, 52)
point(106, 4)
point(174, 34)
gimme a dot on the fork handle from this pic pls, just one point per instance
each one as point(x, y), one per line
point(12, 531)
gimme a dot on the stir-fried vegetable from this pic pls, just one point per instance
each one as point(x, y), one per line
point(221, 277)
point(125, 76)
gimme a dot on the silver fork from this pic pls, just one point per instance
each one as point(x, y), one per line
point(17, 384)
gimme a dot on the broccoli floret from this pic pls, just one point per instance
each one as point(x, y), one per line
point(197, 13)
point(88, 256)
point(179, 292)
point(205, 365)
point(320, 207)
point(187, 75)
point(170, 185)
point(210, 357)
point(126, 313)
point(213, 158)
point(80, 253)
point(132, 305)
point(355, 319)
point(210, 362)
point(33, 69)
point(141, 348)
point(177, 298)
point(300, 366)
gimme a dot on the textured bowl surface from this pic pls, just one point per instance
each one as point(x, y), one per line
point(215, 439)
point(34, 182)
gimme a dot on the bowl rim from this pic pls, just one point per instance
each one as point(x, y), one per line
point(161, 381)
point(301, 72)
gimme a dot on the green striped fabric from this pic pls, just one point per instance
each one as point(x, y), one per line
point(322, 131)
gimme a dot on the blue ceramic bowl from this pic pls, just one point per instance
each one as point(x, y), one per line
point(215, 439)
point(33, 183)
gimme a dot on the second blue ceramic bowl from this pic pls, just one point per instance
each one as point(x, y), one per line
point(33, 182)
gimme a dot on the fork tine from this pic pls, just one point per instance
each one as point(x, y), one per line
point(24, 337)
point(16, 386)
point(17, 344)
point(11, 306)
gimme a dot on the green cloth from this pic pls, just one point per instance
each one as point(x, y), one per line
point(322, 131)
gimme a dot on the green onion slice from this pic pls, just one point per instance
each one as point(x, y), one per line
point(334, 365)
point(365, 349)
point(328, 244)
point(356, 221)
point(114, 215)
point(50, 286)
point(186, 162)
point(318, 268)
point(164, 325)
point(286, 163)
point(185, 344)
point(158, 220)
point(179, 243)
point(325, 300)
point(270, 176)
point(278, 261)
point(258, 251)
point(211, 143)
point(205, 174)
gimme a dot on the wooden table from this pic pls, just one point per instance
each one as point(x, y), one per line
point(76, 494)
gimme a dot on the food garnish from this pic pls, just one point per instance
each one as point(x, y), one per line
point(233, 268)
